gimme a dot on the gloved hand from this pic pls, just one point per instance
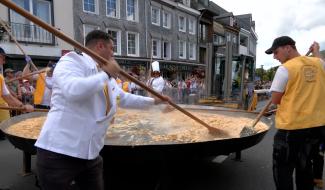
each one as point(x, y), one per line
point(28, 59)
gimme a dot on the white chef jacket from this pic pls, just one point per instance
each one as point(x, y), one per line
point(76, 124)
point(46, 100)
point(157, 84)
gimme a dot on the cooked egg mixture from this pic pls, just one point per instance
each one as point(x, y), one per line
point(139, 127)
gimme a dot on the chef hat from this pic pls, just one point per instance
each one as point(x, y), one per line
point(155, 66)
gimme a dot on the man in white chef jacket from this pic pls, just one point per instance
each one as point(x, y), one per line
point(156, 81)
point(82, 106)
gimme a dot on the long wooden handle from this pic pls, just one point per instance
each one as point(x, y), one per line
point(261, 113)
point(27, 75)
point(22, 109)
point(95, 56)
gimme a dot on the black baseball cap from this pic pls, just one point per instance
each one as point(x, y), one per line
point(280, 41)
point(2, 51)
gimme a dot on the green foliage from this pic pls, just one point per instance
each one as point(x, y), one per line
point(322, 53)
point(266, 75)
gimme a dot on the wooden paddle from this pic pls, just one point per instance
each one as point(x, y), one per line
point(28, 75)
point(22, 109)
point(59, 34)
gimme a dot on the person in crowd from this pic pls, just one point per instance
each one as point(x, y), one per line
point(6, 98)
point(82, 107)
point(19, 75)
point(181, 90)
point(14, 86)
point(156, 81)
point(298, 89)
point(43, 89)
point(27, 92)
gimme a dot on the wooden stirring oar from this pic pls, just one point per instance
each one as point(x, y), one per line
point(22, 109)
point(17, 44)
point(250, 130)
point(95, 56)
point(27, 75)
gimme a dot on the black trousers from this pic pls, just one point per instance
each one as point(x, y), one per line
point(58, 171)
point(318, 160)
point(292, 150)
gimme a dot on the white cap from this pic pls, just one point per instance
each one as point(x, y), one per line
point(155, 66)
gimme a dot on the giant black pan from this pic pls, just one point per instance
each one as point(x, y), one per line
point(174, 149)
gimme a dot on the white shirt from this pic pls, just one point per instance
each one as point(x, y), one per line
point(76, 124)
point(46, 100)
point(280, 79)
point(5, 91)
point(157, 84)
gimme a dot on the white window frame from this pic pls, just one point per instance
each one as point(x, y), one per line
point(183, 49)
point(118, 40)
point(169, 20)
point(168, 50)
point(84, 30)
point(136, 11)
point(179, 23)
point(117, 9)
point(191, 26)
point(96, 7)
point(32, 31)
point(158, 48)
point(136, 44)
point(158, 16)
point(192, 51)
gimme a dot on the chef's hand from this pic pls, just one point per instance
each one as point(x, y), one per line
point(168, 107)
point(160, 101)
point(112, 68)
point(28, 108)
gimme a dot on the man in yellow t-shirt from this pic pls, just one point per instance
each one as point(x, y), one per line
point(297, 88)
point(5, 96)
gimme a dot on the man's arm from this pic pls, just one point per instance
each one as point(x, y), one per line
point(279, 84)
point(276, 97)
point(12, 101)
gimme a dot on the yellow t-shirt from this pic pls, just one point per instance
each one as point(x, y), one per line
point(4, 114)
point(303, 103)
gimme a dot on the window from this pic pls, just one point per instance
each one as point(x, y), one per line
point(88, 28)
point(132, 10)
point(132, 44)
point(166, 19)
point(243, 40)
point(90, 6)
point(182, 49)
point(155, 16)
point(181, 24)
point(156, 48)
point(191, 26)
point(203, 32)
point(219, 40)
point(166, 50)
point(192, 51)
point(187, 3)
point(24, 30)
point(116, 35)
point(113, 8)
